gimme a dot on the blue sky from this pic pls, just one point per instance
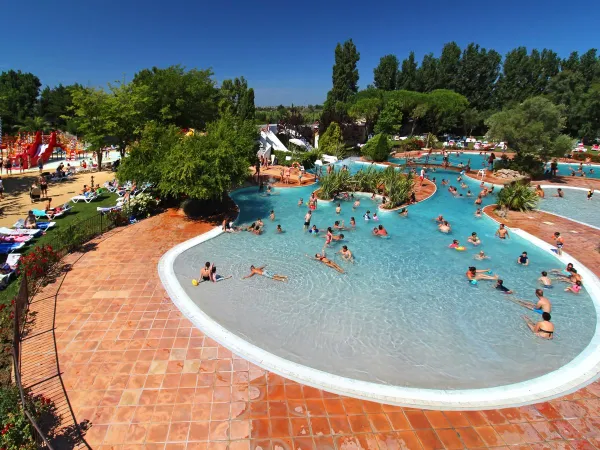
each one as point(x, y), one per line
point(284, 49)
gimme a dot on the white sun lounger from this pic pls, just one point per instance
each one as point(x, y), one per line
point(12, 261)
point(85, 198)
point(19, 231)
point(41, 226)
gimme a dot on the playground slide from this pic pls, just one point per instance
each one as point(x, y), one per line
point(38, 150)
point(268, 137)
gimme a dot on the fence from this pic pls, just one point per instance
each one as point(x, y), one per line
point(64, 241)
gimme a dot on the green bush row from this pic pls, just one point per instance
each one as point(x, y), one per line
point(583, 156)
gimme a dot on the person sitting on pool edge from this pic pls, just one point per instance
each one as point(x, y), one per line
point(544, 328)
point(523, 259)
point(541, 306)
point(261, 271)
point(500, 286)
point(474, 274)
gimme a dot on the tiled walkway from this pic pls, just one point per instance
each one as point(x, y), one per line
point(146, 379)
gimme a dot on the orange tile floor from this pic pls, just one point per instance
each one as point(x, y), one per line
point(146, 379)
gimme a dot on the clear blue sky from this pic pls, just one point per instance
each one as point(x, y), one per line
point(284, 49)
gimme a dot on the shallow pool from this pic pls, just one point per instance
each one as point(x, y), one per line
point(404, 313)
point(574, 205)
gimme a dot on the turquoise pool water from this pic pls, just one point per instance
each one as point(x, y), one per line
point(574, 205)
point(404, 313)
point(479, 161)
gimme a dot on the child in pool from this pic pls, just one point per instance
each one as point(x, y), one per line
point(279, 229)
point(338, 209)
point(367, 215)
point(375, 217)
point(481, 256)
point(352, 222)
point(455, 244)
point(545, 280)
point(272, 215)
point(300, 202)
point(574, 288)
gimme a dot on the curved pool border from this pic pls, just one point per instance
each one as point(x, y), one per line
point(577, 188)
point(581, 371)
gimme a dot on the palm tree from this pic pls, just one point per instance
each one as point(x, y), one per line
point(517, 197)
point(33, 124)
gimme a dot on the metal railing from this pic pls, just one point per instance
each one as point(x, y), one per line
point(70, 239)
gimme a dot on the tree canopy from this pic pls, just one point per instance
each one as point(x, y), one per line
point(377, 148)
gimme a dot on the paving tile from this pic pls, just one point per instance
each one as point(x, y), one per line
point(429, 439)
point(417, 419)
point(450, 438)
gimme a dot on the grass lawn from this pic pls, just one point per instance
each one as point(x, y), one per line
point(80, 211)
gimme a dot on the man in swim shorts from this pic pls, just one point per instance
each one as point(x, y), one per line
point(346, 254)
point(559, 243)
point(307, 218)
point(523, 259)
point(541, 306)
point(205, 272)
point(381, 231)
point(502, 232)
point(261, 271)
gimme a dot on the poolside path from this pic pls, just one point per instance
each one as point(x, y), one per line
point(145, 378)
point(581, 241)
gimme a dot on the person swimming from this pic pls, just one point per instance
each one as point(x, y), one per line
point(478, 212)
point(380, 231)
point(356, 204)
point(500, 287)
point(455, 244)
point(329, 263)
point(444, 227)
point(352, 222)
point(474, 239)
point(338, 208)
point(481, 256)
point(367, 215)
point(279, 229)
point(403, 212)
point(559, 193)
point(272, 215)
point(375, 217)
point(346, 254)
point(575, 288)
point(300, 202)
point(262, 272)
point(314, 230)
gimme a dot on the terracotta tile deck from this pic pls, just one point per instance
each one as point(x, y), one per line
point(146, 379)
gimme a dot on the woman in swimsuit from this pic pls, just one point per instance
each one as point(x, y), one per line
point(474, 274)
point(352, 222)
point(544, 328)
point(327, 262)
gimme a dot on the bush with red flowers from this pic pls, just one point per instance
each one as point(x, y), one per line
point(16, 432)
point(39, 261)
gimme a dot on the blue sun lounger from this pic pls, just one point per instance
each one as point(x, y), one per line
point(6, 248)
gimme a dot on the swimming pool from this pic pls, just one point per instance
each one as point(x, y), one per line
point(404, 314)
point(574, 205)
point(478, 161)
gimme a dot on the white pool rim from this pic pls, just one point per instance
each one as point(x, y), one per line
point(581, 371)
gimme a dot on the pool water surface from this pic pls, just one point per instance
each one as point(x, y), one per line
point(403, 314)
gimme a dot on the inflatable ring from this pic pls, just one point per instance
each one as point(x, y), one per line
point(460, 249)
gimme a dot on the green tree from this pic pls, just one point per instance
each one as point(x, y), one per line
point(390, 119)
point(445, 110)
point(124, 113)
point(345, 73)
point(407, 78)
point(386, 73)
point(567, 89)
point(532, 128)
point(416, 114)
point(589, 67)
point(237, 98)
point(449, 66)
point(470, 120)
point(33, 124)
point(427, 74)
point(377, 148)
point(187, 99)
point(91, 107)
point(332, 141)
point(367, 109)
point(55, 105)
point(19, 92)
point(478, 71)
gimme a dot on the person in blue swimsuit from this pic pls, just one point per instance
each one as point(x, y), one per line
point(523, 259)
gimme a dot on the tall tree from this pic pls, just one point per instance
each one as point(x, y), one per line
point(124, 108)
point(407, 78)
point(445, 110)
point(449, 66)
point(589, 66)
point(427, 74)
point(386, 73)
point(478, 72)
point(187, 99)
point(345, 73)
point(516, 82)
point(571, 63)
point(55, 105)
point(237, 98)
point(18, 96)
point(91, 107)
point(332, 141)
point(367, 109)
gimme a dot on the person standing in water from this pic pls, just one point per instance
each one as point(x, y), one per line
point(502, 232)
point(307, 218)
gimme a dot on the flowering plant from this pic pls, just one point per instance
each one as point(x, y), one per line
point(143, 205)
point(38, 262)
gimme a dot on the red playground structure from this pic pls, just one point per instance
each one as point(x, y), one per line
point(27, 151)
point(38, 150)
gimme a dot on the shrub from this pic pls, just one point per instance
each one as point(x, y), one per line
point(143, 205)
point(517, 196)
point(38, 262)
point(16, 432)
point(411, 144)
point(377, 148)
point(398, 187)
point(117, 217)
point(580, 156)
point(528, 164)
point(332, 183)
point(306, 159)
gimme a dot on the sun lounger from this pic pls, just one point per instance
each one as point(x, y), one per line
point(86, 198)
point(9, 269)
point(19, 231)
point(40, 225)
point(9, 248)
point(15, 238)
point(108, 209)
point(63, 209)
